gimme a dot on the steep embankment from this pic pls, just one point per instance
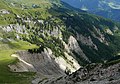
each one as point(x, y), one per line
point(45, 64)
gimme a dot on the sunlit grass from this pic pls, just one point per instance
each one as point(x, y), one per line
point(6, 76)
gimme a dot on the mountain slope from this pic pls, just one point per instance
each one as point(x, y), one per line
point(60, 32)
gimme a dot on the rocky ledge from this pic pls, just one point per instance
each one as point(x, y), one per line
point(92, 74)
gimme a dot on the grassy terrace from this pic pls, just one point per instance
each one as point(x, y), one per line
point(5, 59)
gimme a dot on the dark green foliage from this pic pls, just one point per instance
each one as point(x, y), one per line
point(115, 43)
point(80, 60)
point(56, 46)
point(37, 50)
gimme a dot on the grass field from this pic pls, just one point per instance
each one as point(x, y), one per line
point(5, 59)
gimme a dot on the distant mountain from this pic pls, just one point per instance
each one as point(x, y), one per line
point(106, 8)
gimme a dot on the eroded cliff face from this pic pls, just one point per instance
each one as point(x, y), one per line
point(45, 63)
point(41, 63)
point(74, 46)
